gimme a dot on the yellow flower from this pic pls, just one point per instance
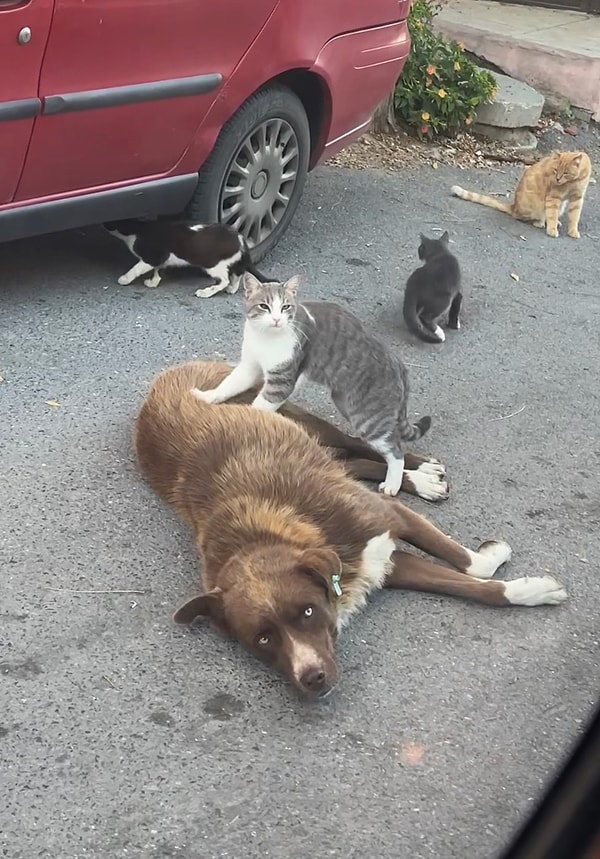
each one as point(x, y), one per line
point(442, 93)
point(431, 70)
point(425, 117)
point(456, 67)
point(419, 25)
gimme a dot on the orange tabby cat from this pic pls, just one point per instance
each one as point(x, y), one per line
point(544, 191)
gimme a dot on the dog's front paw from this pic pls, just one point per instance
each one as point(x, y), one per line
point(553, 233)
point(204, 396)
point(575, 234)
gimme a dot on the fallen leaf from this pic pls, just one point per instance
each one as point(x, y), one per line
point(435, 165)
point(53, 404)
point(572, 130)
point(1, 377)
point(523, 239)
point(515, 276)
point(411, 754)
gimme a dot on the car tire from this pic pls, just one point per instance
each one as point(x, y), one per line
point(255, 175)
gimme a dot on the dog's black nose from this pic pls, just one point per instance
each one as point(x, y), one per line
point(313, 679)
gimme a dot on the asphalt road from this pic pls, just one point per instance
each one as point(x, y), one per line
point(124, 736)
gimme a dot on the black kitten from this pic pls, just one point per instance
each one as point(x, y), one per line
point(433, 291)
point(217, 250)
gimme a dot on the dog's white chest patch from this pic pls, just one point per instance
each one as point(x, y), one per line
point(376, 559)
point(375, 565)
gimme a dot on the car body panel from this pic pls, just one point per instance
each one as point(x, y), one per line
point(126, 44)
point(149, 85)
point(19, 74)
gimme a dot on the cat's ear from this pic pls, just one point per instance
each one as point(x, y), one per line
point(291, 285)
point(423, 239)
point(445, 238)
point(251, 284)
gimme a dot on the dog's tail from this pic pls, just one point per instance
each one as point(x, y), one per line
point(413, 322)
point(412, 432)
point(482, 199)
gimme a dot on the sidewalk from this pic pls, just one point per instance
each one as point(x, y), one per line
point(550, 49)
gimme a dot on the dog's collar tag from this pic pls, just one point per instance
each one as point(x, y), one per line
point(337, 588)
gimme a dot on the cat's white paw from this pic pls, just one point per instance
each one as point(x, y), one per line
point(389, 488)
point(233, 285)
point(124, 280)
point(204, 396)
point(208, 291)
point(152, 282)
point(439, 333)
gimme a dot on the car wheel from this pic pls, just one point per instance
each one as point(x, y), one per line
point(254, 177)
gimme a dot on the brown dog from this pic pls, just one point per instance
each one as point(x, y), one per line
point(291, 545)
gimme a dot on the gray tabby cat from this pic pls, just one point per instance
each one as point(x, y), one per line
point(285, 341)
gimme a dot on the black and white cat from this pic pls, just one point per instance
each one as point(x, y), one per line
point(433, 291)
point(286, 341)
point(218, 250)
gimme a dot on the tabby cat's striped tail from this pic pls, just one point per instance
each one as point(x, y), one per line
point(482, 199)
point(412, 432)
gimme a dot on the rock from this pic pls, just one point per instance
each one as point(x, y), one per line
point(516, 105)
point(521, 139)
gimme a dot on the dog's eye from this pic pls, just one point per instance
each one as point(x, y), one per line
point(308, 611)
point(264, 307)
point(263, 640)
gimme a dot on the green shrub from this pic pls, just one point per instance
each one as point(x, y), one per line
point(440, 87)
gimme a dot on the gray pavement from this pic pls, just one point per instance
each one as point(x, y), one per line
point(124, 736)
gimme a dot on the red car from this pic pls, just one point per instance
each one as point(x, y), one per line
point(213, 109)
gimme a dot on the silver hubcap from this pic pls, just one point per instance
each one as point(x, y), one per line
point(262, 176)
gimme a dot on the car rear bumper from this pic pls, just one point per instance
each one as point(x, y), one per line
point(361, 69)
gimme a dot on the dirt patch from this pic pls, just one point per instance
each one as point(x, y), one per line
point(398, 151)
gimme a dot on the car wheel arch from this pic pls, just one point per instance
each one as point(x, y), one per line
point(314, 93)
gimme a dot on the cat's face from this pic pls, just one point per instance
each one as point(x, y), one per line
point(270, 306)
point(430, 247)
point(568, 165)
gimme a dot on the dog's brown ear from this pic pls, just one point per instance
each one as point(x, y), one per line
point(205, 605)
point(321, 564)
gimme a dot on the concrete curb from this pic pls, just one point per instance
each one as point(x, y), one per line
point(567, 72)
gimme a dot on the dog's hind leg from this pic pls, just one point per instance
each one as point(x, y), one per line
point(419, 532)
point(423, 476)
point(419, 574)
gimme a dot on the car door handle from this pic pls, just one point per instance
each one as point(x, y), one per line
point(24, 36)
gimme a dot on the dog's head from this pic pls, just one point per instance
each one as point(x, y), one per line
point(279, 602)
